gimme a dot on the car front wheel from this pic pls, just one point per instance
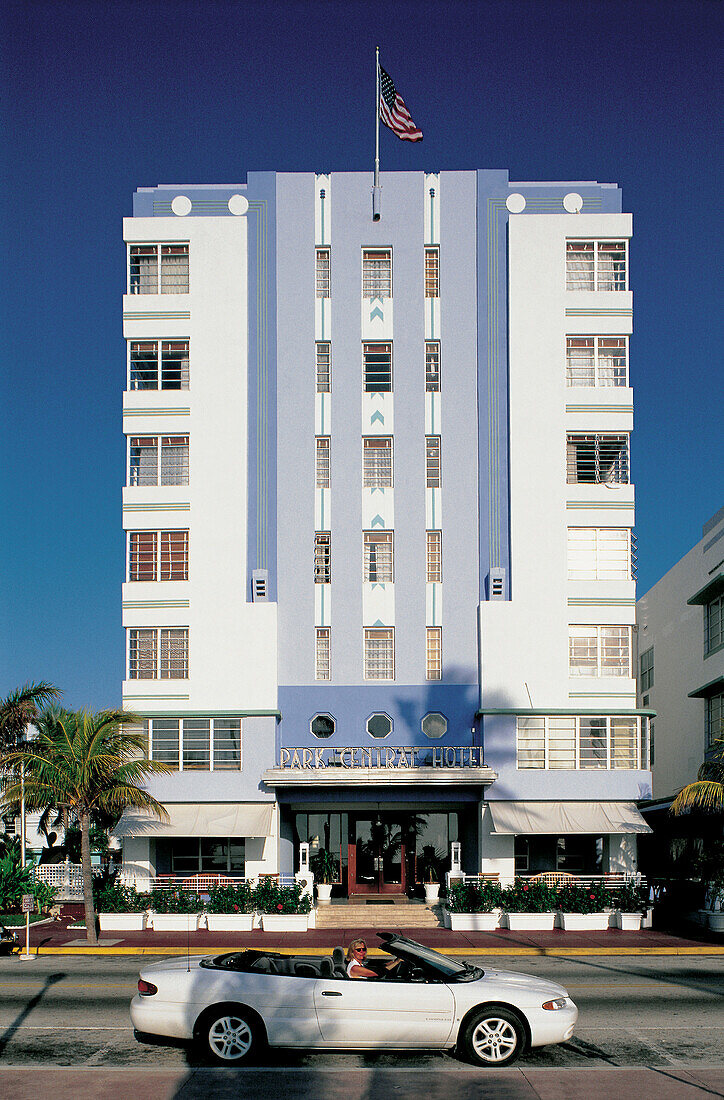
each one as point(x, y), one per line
point(231, 1037)
point(493, 1037)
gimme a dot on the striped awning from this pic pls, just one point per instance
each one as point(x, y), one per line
point(560, 818)
point(219, 819)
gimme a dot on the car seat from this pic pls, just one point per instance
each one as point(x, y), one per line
point(339, 963)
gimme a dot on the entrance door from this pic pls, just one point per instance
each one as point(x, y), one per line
point(377, 854)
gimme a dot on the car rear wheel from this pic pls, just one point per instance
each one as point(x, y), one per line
point(231, 1036)
point(493, 1037)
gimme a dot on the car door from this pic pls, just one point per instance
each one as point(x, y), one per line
point(378, 1014)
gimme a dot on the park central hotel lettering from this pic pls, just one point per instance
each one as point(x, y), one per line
point(469, 756)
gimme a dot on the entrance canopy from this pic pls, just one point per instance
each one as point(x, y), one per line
point(216, 819)
point(557, 818)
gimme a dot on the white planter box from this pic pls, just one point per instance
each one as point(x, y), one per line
point(229, 922)
point(529, 922)
point(628, 922)
point(175, 922)
point(475, 922)
point(122, 922)
point(583, 922)
point(284, 922)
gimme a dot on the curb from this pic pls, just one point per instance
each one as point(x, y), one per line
point(549, 952)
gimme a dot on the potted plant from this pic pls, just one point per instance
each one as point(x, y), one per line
point(474, 906)
point(529, 905)
point(120, 908)
point(630, 903)
point(174, 910)
point(325, 868)
point(282, 908)
point(583, 907)
point(230, 908)
point(431, 865)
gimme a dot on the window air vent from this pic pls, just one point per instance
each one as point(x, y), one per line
point(259, 585)
point(496, 583)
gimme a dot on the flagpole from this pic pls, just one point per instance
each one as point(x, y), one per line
point(376, 187)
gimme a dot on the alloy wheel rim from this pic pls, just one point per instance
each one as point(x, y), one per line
point(494, 1039)
point(230, 1038)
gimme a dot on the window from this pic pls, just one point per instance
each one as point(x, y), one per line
point(596, 361)
point(434, 556)
point(324, 366)
point(144, 563)
point(378, 557)
point(377, 462)
point(174, 653)
point(433, 661)
point(714, 720)
point(597, 459)
point(434, 725)
point(323, 273)
point(322, 442)
point(322, 667)
point(432, 272)
point(599, 554)
point(322, 558)
point(199, 855)
point(376, 273)
point(144, 650)
point(646, 662)
point(379, 725)
point(599, 650)
point(322, 726)
point(377, 368)
point(573, 743)
point(596, 265)
point(196, 744)
point(144, 269)
point(432, 366)
point(433, 467)
point(714, 625)
point(379, 653)
point(142, 555)
point(144, 460)
point(146, 372)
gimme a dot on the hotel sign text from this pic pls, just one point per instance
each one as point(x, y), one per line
point(468, 756)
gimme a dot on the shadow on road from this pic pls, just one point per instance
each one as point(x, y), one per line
point(50, 981)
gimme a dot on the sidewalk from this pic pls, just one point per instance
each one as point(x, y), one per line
point(57, 938)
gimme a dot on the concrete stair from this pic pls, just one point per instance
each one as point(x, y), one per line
point(401, 914)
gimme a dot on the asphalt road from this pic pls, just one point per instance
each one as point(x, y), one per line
point(634, 1011)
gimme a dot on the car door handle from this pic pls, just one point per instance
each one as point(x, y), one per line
point(330, 993)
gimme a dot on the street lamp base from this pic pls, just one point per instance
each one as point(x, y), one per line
point(27, 958)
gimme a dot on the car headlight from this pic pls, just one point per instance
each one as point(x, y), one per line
point(553, 1006)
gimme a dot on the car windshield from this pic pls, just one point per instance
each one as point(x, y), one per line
point(425, 956)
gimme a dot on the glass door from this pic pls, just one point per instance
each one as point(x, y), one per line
point(377, 854)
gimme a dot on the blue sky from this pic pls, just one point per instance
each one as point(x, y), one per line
point(101, 97)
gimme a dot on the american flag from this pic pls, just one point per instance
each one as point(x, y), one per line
point(393, 111)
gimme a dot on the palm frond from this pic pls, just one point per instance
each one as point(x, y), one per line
point(704, 795)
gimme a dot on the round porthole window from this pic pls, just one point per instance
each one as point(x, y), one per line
point(379, 725)
point(322, 725)
point(434, 725)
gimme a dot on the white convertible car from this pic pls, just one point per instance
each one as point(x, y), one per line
point(235, 1004)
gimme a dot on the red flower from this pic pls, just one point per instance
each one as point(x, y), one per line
point(280, 907)
point(592, 897)
point(236, 907)
point(525, 887)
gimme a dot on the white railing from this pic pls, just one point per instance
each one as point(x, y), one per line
point(610, 881)
point(67, 879)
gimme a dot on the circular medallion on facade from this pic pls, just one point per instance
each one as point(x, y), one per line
point(515, 203)
point(181, 206)
point(573, 203)
point(238, 204)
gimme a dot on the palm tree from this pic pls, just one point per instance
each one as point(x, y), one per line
point(20, 708)
point(83, 763)
point(707, 792)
